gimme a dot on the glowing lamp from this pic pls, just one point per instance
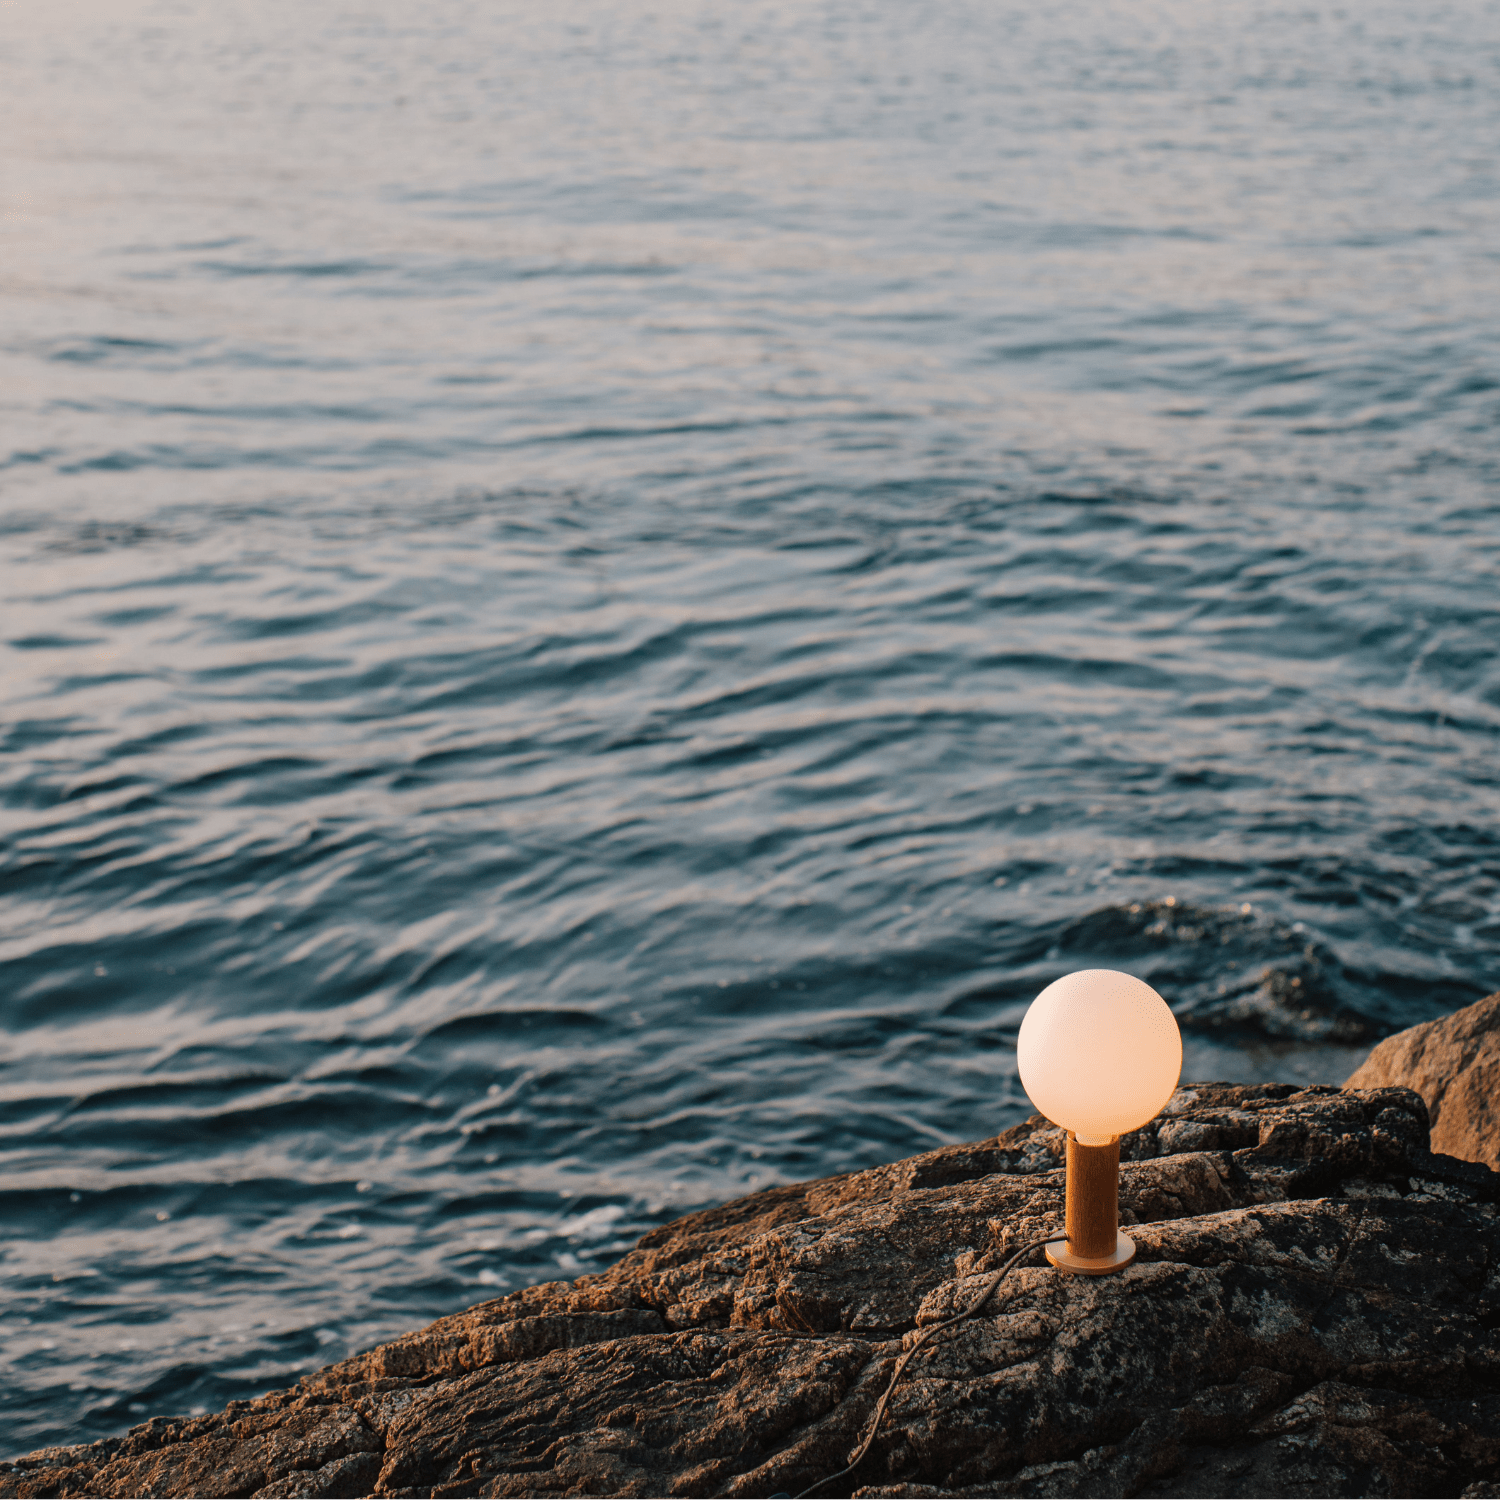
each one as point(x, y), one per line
point(1099, 1054)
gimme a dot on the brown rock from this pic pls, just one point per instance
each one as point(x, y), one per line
point(1314, 1311)
point(1454, 1064)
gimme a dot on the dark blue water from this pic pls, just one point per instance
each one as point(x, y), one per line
point(596, 596)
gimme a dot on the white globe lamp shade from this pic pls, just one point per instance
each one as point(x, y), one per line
point(1099, 1054)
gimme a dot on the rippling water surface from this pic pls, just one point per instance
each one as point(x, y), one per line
point(595, 596)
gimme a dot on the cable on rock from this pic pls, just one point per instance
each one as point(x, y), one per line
point(977, 1302)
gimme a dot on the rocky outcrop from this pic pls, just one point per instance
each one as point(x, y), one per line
point(1313, 1311)
point(1454, 1064)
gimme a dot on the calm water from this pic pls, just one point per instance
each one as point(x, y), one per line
point(595, 596)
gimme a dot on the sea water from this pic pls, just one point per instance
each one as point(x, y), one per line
point(596, 595)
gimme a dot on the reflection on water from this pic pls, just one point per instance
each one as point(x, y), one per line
point(594, 602)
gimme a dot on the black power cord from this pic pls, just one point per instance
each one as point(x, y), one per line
point(978, 1301)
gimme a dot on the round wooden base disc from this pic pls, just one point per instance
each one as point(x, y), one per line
point(1065, 1260)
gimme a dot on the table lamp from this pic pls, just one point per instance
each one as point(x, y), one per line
point(1099, 1054)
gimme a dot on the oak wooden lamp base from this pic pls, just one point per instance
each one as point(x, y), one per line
point(1085, 1265)
point(1095, 1246)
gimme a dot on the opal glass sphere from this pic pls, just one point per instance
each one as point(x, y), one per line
point(1099, 1053)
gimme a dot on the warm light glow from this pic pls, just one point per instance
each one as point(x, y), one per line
point(1099, 1053)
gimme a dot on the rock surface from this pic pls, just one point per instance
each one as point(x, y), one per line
point(1454, 1064)
point(1314, 1311)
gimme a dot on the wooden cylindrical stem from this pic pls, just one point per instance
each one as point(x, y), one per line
point(1093, 1202)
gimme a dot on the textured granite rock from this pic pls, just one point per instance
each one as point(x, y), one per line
point(1454, 1064)
point(1314, 1311)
